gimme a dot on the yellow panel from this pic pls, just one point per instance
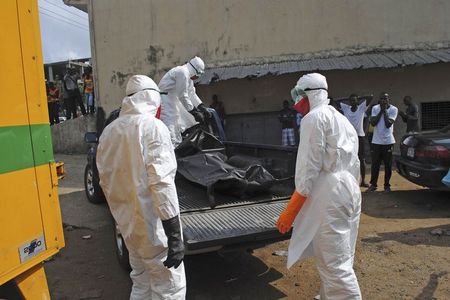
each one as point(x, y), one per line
point(12, 91)
point(50, 209)
point(26, 266)
point(20, 220)
point(32, 61)
point(29, 203)
point(33, 284)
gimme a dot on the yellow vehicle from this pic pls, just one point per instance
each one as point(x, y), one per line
point(30, 217)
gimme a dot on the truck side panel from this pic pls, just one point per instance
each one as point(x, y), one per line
point(30, 225)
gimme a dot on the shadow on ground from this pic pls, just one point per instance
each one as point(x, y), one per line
point(418, 236)
point(414, 204)
point(431, 287)
point(87, 266)
point(230, 276)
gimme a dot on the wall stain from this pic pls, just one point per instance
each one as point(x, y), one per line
point(154, 54)
point(153, 58)
point(120, 78)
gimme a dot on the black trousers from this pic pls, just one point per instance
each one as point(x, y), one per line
point(53, 112)
point(381, 153)
point(71, 109)
point(79, 101)
point(361, 155)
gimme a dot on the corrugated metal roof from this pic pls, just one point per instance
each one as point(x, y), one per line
point(385, 59)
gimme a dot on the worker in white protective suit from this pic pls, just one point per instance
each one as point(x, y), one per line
point(181, 108)
point(137, 166)
point(326, 203)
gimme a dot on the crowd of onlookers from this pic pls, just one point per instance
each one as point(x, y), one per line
point(70, 96)
point(374, 124)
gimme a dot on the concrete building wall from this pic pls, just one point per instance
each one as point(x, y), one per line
point(151, 36)
point(245, 100)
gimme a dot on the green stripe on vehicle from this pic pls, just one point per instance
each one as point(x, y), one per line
point(24, 146)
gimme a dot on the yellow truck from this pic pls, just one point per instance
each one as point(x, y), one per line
point(30, 218)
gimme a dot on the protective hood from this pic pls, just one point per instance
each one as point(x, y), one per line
point(316, 88)
point(196, 66)
point(143, 96)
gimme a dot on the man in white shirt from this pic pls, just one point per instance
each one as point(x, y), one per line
point(382, 118)
point(355, 111)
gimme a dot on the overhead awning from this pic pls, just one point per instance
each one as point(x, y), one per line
point(80, 4)
point(379, 59)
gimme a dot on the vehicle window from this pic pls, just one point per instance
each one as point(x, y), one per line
point(435, 115)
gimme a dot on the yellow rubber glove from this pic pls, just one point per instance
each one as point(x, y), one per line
point(288, 215)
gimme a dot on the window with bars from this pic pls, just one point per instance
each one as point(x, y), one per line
point(435, 115)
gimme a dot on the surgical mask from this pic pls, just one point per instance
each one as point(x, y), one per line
point(302, 106)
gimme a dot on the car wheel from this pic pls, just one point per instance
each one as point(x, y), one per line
point(92, 188)
point(121, 248)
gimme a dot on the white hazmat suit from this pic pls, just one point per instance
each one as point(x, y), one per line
point(137, 167)
point(181, 97)
point(327, 174)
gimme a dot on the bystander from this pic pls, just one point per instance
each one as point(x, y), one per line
point(88, 85)
point(287, 117)
point(354, 109)
point(53, 103)
point(73, 94)
point(218, 106)
point(383, 116)
point(411, 115)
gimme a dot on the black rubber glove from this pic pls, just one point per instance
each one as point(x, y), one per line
point(205, 111)
point(198, 115)
point(175, 254)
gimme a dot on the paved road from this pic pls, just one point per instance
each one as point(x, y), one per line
point(396, 255)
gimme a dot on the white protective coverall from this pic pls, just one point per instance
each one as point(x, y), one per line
point(180, 99)
point(137, 167)
point(327, 173)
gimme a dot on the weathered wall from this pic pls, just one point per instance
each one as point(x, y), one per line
point(427, 83)
point(151, 36)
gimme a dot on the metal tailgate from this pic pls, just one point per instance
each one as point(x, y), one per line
point(232, 225)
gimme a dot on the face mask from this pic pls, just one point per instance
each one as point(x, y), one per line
point(301, 102)
point(302, 106)
point(301, 99)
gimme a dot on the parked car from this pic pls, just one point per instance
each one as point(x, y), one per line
point(232, 222)
point(425, 158)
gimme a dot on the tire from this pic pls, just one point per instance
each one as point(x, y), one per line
point(94, 192)
point(122, 254)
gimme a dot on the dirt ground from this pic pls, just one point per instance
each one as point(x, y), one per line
point(397, 255)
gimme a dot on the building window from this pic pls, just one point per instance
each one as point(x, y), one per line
point(435, 115)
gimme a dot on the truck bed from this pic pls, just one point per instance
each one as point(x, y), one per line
point(234, 222)
point(249, 224)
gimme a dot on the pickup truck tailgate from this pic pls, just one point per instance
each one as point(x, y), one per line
point(232, 225)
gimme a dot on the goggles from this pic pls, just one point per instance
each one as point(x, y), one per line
point(298, 93)
point(197, 72)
